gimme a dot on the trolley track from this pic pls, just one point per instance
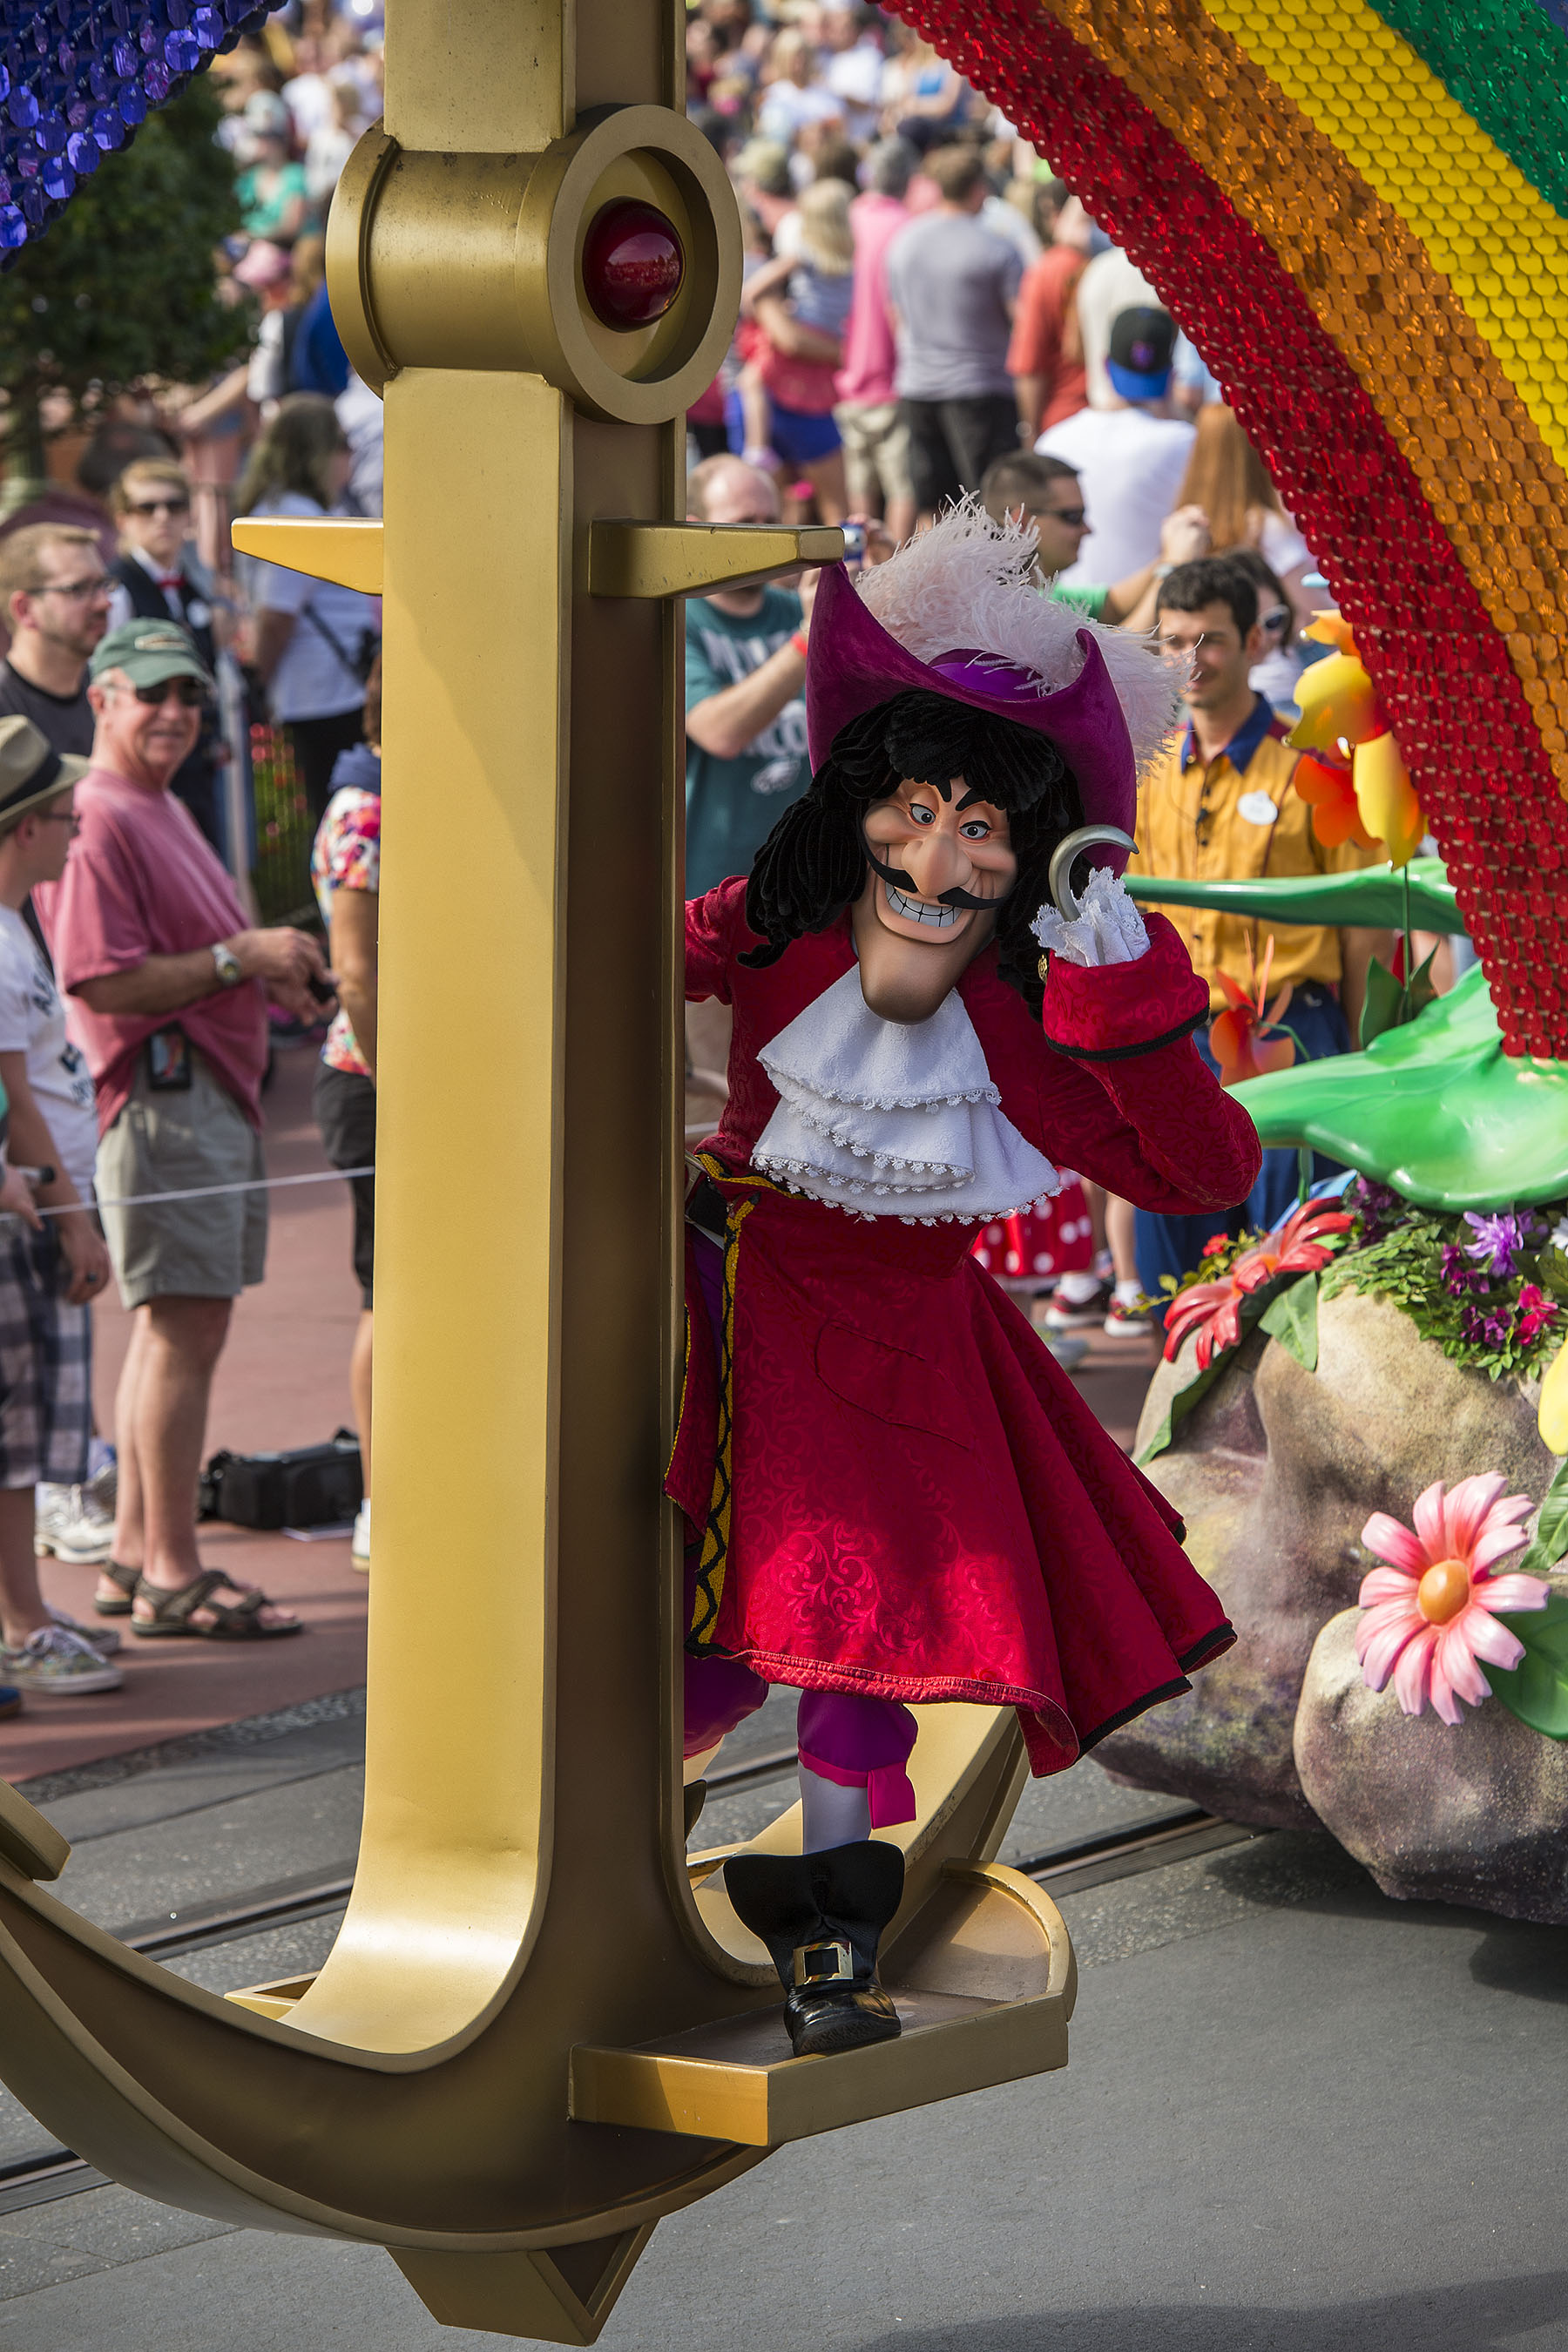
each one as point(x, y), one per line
point(51, 2171)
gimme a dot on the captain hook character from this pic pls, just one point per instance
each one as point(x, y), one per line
point(895, 1497)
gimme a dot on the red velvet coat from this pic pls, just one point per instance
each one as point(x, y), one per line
point(898, 1491)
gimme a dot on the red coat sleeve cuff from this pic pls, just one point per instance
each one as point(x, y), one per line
point(1108, 1013)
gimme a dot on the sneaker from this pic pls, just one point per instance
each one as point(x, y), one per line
point(359, 1549)
point(101, 1638)
point(77, 1523)
point(1070, 1350)
point(1126, 1320)
point(1065, 1313)
point(55, 1663)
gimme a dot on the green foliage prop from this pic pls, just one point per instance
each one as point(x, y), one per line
point(1536, 1690)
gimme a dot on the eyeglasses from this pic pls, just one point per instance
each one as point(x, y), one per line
point(79, 590)
point(159, 506)
point(61, 816)
point(1072, 516)
point(189, 692)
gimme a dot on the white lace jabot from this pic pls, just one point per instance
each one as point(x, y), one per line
point(891, 1119)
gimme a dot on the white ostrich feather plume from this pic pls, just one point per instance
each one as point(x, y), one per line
point(967, 583)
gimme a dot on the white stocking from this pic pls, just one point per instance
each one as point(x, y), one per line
point(832, 1815)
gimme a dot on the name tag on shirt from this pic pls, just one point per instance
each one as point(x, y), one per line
point(1256, 808)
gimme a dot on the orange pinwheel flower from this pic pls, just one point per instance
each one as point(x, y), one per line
point(1213, 1309)
point(1328, 787)
point(1239, 1038)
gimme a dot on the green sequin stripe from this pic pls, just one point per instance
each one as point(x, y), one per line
point(1507, 65)
point(714, 1558)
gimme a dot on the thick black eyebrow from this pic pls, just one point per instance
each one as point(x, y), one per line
point(971, 797)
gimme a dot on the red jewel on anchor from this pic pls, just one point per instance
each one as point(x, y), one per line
point(633, 264)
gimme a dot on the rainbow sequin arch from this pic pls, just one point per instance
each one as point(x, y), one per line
point(1360, 215)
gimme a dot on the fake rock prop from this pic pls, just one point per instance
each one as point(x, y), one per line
point(1468, 1814)
point(1276, 1472)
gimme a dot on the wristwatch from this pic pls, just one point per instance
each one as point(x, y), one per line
point(226, 964)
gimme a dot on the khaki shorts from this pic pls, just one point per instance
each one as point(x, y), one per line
point(876, 454)
point(165, 1143)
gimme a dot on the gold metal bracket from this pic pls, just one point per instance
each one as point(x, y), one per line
point(645, 560)
point(342, 548)
point(692, 558)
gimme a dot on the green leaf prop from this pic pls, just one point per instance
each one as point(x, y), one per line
point(1434, 1107)
point(1536, 1690)
point(1182, 1403)
point(1389, 1003)
point(1372, 896)
point(1550, 1533)
point(1291, 1317)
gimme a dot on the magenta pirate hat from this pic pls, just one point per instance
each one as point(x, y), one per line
point(853, 664)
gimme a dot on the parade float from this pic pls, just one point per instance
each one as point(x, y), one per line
point(538, 2030)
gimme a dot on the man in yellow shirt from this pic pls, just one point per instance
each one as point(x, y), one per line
point(1221, 805)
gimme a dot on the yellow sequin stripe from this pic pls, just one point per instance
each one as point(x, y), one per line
point(714, 1558)
point(1491, 480)
point(1499, 242)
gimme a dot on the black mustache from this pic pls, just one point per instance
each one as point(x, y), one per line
point(903, 881)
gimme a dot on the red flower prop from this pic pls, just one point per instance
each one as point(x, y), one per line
point(1241, 1039)
point(1213, 1309)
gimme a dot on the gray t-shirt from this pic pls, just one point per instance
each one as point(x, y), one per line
point(952, 284)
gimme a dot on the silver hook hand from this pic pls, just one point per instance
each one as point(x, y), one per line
point(1061, 865)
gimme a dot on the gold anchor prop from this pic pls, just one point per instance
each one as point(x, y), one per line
point(540, 2028)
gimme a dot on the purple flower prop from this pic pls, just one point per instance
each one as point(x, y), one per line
point(1379, 1206)
point(1459, 1279)
point(1498, 1238)
point(1479, 1330)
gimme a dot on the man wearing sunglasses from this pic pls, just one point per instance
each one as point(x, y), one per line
point(53, 592)
point(156, 576)
point(1046, 495)
point(170, 991)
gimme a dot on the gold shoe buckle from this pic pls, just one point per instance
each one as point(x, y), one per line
point(829, 1963)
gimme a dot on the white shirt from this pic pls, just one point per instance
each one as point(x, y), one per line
point(32, 1022)
point(310, 681)
point(1129, 463)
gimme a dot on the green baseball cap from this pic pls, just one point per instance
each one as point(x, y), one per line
point(149, 651)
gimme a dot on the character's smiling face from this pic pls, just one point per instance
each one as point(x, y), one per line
point(940, 863)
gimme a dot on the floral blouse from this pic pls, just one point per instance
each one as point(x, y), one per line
point(346, 857)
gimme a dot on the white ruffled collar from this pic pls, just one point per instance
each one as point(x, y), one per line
point(891, 1119)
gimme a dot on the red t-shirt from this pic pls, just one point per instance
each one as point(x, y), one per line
point(141, 880)
point(1039, 331)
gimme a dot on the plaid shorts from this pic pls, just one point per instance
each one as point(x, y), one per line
point(46, 1367)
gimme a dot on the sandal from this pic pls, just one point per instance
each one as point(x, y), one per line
point(237, 1621)
point(126, 1579)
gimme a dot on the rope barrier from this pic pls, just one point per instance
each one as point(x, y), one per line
point(202, 1192)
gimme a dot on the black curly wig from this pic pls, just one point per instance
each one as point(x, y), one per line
point(813, 864)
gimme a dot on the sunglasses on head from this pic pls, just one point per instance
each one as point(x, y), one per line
point(160, 506)
point(189, 692)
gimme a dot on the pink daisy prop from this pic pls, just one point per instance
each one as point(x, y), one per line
point(1431, 1610)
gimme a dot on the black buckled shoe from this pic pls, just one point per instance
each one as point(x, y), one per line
point(821, 1916)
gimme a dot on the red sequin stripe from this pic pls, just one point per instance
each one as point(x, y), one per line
point(1442, 669)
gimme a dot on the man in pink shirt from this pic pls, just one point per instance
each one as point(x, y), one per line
point(876, 441)
point(169, 989)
